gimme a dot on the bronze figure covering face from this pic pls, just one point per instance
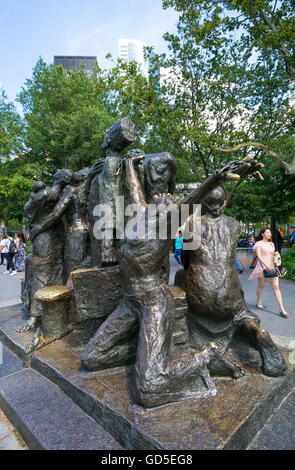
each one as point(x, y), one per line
point(159, 174)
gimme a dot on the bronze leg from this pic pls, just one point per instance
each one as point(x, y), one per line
point(115, 341)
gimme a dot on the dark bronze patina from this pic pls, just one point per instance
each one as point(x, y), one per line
point(136, 323)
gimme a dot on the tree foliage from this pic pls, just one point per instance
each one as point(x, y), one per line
point(65, 119)
point(264, 31)
point(229, 77)
point(11, 129)
point(63, 126)
point(265, 27)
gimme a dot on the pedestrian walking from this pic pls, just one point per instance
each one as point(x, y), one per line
point(265, 268)
point(280, 239)
point(238, 265)
point(20, 256)
point(178, 248)
point(10, 255)
point(4, 248)
point(292, 237)
point(251, 241)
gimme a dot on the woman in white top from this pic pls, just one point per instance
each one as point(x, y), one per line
point(4, 244)
point(266, 251)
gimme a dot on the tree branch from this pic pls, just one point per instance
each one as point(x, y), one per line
point(289, 168)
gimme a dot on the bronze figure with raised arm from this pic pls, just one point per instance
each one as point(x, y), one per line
point(216, 302)
point(148, 304)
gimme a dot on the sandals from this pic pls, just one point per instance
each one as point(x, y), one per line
point(284, 314)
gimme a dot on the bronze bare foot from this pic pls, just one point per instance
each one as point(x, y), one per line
point(40, 340)
point(33, 345)
point(222, 366)
point(273, 364)
point(28, 325)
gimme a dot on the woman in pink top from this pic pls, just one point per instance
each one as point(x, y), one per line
point(265, 251)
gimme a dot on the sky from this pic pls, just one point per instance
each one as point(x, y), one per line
point(33, 28)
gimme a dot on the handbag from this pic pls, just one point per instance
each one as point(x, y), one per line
point(282, 271)
point(272, 273)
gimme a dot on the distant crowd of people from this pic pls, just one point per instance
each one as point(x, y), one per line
point(13, 251)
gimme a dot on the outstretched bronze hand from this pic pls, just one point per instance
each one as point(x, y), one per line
point(239, 170)
point(97, 167)
point(137, 155)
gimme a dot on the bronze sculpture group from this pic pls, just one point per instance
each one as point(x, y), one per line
point(63, 221)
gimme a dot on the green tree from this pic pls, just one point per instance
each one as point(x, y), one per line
point(228, 87)
point(258, 201)
point(213, 98)
point(265, 27)
point(12, 183)
point(15, 186)
point(11, 129)
point(265, 31)
point(65, 120)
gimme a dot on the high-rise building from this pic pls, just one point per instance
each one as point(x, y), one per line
point(132, 49)
point(68, 61)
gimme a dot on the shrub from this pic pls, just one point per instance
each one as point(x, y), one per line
point(288, 260)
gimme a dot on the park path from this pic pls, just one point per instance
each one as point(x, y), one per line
point(270, 318)
point(10, 287)
point(9, 294)
point(10, 439)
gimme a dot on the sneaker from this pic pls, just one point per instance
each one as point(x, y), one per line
point(13, 273)
point(6, 272)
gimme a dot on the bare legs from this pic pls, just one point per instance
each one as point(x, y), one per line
point(261, 284)
point(276, 290)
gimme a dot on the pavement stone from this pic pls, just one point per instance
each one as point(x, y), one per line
point(47, 418)
point(4, 430)
point(10, 288)
point(10, 443)
point(9, 363)
point(279, 431)
point(8, 440)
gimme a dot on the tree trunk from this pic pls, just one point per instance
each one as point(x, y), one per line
point(5, 217)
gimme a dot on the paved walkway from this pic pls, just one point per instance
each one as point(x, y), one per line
point(9, 438)
point(9, 288)
point(270, 317)
point(9, 294)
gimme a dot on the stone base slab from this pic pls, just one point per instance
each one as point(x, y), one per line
point(230, 420)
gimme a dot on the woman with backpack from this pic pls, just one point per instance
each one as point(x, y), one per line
point(4, 248)
point(10, 255)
